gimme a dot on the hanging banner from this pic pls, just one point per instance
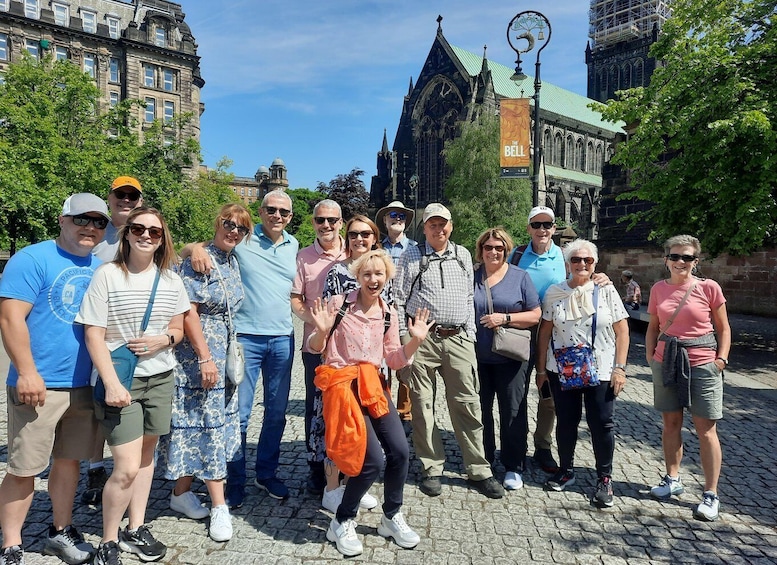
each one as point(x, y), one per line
point(515, 127)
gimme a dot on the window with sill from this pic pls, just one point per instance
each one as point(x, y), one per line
point(61, 14)
point(169, 80)
point(61, 54)
point(89, 20)
point(149, 76)
point(89, 64)
point(32, 47)
point(113, 67)
point(169, 111)
point(160, 36)
point(31, 8)
point(113, 98)
point(150, 114)
point(3, 47)
point(114, 31)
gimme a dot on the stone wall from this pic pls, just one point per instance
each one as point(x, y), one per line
point(749, 283)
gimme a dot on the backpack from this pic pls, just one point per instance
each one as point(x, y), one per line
point(519, 251)
point(424, 264)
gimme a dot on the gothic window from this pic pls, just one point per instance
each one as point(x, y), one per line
point(626, 76)
point(569, 155)
point(615, 81)
point(547, 148)
point(639, 73)
point(599, 158)
point(589, 156)
point(579, 156)
point(558, 150)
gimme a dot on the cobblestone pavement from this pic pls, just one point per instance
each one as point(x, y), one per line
point(529, 525)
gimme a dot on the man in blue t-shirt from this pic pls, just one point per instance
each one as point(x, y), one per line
point(50, 408)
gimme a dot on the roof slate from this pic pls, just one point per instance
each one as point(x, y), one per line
point(552, 98)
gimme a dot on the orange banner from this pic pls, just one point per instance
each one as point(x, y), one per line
point(515, 138)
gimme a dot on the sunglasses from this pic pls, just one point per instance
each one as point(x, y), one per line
point(364, 234)
point(586, 260)
point(677, 257)
point(271, 210)
point(497, 248)
point(229, 225)
point(397, 215)
point(154, 232)
point(320, 220)
point(543, 225)
point(83, 220)
point(133, 196)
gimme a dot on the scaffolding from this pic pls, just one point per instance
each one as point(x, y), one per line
point(612, 21)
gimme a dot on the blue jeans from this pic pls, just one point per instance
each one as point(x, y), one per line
point(272, 356)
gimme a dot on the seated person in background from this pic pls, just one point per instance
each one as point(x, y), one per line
point(633, 295)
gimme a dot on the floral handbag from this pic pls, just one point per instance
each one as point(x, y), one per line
point(577, 364)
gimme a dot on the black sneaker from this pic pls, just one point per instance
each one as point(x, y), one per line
point(560, 480)
point(142, 543)
point(544, 458)
point(12, 556)
point(95, 481)
point(602, 496)
point(69, 545)
point(489, 487)
point(430, 486)
point(107, 554)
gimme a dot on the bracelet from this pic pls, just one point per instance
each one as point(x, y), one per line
point(203, 361)
point(541, 373)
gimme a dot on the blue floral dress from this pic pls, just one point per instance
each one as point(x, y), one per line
point(205, 427)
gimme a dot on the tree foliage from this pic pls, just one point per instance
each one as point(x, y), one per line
point(703, 144)
point(349, 192)
point(56, 140)
point(479, 198)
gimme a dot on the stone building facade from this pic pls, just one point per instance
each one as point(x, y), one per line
point(266, 179)
point(453, 86)
point(134, 49)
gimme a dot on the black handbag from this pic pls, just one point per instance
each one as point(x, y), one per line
point(124, 360)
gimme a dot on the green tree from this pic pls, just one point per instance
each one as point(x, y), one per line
point(349, 192)
point(303, 201)
point(703, 140)
point(479, 198)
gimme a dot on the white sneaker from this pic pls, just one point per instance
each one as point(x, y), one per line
point(709, 507)
point(220, 523)
point(398, 529)
point(345, 538)
point(667, 488)
point(513, 481)
point(189, 505)
point(332, 499)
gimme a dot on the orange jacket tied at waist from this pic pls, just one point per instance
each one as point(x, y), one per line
point(346, 431)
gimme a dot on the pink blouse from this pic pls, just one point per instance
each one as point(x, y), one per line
point(358, 338)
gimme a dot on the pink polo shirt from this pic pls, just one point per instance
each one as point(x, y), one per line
point(313, 264)
point(363, 339)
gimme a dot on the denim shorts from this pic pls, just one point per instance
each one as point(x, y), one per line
point(706, 391)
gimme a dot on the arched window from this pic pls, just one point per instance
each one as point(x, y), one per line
point(569, 155)
point(558, 150)
point(547, 147)
point(626, 76)
point(615, 81)
point(599, 158)
point(639, 73)
point(589, 155)
point(579, 156)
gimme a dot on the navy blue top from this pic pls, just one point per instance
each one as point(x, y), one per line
point(514, 293)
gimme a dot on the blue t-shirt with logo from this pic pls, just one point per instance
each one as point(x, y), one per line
point(54, 282)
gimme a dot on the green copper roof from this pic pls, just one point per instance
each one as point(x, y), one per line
point(552, 98)
point(569, 174)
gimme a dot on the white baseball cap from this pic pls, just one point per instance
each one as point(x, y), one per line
point(537, 210)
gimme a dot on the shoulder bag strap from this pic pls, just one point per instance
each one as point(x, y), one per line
point(339, 317)
point(147, 315)
point(596, 311)
point(488, 292)
point(232, 332)
point(676, 310)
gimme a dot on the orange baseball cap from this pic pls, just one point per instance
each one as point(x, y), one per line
point(126, 181)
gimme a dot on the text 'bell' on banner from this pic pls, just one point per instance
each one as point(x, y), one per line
point(515, 126)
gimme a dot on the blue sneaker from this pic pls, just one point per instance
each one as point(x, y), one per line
point(274, 487)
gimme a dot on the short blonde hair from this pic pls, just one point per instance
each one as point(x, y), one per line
point(373, 256)
point(497, 233)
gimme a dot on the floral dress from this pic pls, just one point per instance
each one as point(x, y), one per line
point(339, 280)
point(205, 427)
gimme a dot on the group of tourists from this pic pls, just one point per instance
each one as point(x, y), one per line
point(114, 339)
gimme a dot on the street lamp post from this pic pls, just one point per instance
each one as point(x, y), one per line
point(523, 27)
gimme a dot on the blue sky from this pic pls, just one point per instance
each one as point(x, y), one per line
point(316, 83)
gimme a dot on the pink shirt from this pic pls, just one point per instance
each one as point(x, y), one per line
point(362, 339)
point(313, 264)
point(693, 320)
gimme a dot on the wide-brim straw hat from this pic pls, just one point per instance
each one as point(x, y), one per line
point(395, 205)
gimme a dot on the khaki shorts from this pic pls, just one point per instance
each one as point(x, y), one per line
point(148, 415)
point(64, 427)
point(706, 391)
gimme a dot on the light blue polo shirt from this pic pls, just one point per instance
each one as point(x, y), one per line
point(267, 271)
point(545, 270)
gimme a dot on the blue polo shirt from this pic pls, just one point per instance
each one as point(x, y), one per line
point(545, 270)
point(267, 270)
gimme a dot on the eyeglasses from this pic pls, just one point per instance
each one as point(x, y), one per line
point(320, 220)
point(229, 225)
point(497, 248)
point(677, 257)
point(83, 220)
point(133, 196)
point(543, 225)
point(397, 215)
point(364, 234)
point(271, 210)
point(586, 260)
point(154, 232)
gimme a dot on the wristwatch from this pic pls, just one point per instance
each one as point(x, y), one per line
point(620, 366)
point(172, 339)
point(508, 319)
point(725, 361)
